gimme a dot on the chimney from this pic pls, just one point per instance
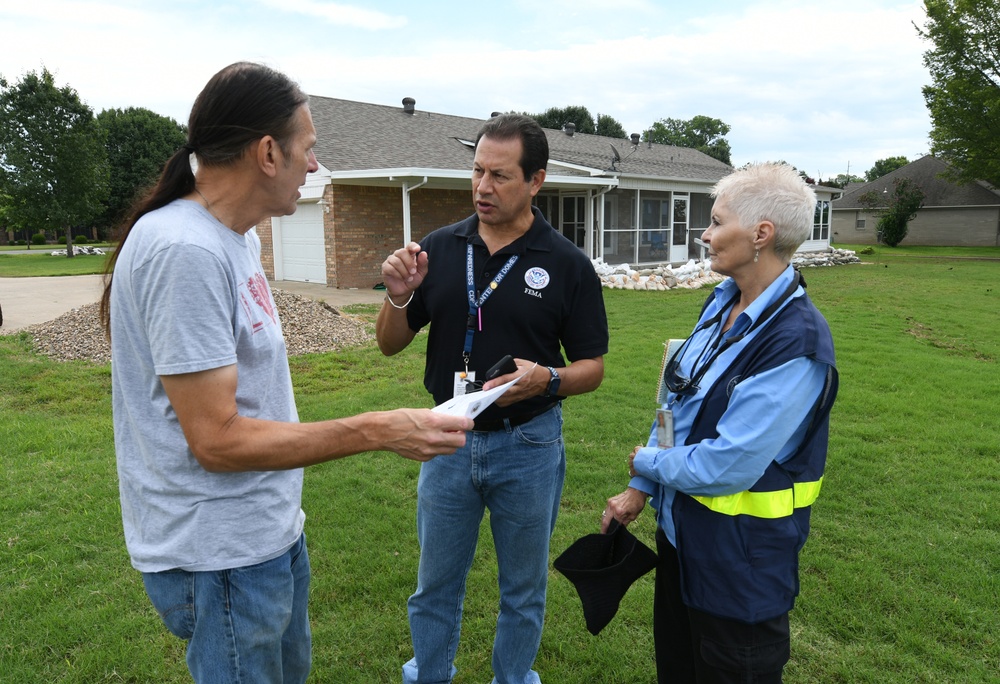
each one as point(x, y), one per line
point(635, 138)
point(409, 104)
point(569, 129)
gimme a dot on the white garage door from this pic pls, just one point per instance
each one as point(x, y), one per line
point(303, 253)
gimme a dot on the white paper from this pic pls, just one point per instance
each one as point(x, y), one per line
point(471, 405)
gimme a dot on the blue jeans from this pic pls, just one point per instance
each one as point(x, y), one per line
point(248, 624)
point(517, 473)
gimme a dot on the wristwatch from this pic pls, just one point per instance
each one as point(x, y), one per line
point(553, 382)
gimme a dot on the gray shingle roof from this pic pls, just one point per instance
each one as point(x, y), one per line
point(357, 136)
point(926, 173)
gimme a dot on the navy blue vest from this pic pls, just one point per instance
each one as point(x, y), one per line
point(744, 565)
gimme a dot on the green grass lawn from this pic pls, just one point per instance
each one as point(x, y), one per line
point(48, 248)
point(900, 576)
point(44, 264)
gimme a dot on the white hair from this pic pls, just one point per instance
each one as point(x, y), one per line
point(775, 193)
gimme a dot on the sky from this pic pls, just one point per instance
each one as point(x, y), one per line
point(827, 87)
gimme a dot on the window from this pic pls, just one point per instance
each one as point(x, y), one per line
point(860, 224)
point(821, 221)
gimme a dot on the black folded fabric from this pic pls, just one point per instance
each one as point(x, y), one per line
point(602, 567)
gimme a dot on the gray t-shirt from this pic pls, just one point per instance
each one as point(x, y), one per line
point(190, 295)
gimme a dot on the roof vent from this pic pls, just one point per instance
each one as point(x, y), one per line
point(569, 129)
point(409, 104)
point(635, 138)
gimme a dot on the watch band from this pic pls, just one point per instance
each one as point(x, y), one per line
point(553, 389)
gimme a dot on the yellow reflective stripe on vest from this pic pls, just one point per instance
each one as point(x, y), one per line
point(778, 504)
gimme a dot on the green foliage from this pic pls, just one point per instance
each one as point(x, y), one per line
point(884, 166)
point(54, 169)
point(894, 211)
point(38, 239)
point(841, 180)
point(609, 127)
point(138, 142)
point(557, 117)
point(702, 133)
point(964, 96)
point(899, 576)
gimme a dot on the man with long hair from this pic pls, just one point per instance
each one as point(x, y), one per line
point(209, 447)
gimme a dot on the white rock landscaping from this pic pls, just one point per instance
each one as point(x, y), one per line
point(694, 274)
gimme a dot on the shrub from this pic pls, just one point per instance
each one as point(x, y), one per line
point(61, 239)
point(38, 239)
point(895, 212)
point(20, 242)
point(80, 240)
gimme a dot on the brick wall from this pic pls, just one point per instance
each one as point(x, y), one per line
point(330, 236)
point(366, 225)
point(264, 232)
point(952, 226)
point(363, 225)
point(435, 208)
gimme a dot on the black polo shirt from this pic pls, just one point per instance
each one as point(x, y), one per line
point(550, 300)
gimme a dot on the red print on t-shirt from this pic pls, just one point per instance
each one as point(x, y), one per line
point(260, 296)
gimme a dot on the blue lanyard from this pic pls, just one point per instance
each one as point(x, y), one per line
point(476, 303)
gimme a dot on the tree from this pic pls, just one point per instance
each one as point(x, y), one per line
point(964, 96)
point(702, 133)
point(884, 166)
point(609, 127)
point(557, 117)
point(53, 166)
point(138, 142)
point(894, 211)
point(842, 180)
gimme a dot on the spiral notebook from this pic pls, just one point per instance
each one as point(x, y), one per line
point(670, 348)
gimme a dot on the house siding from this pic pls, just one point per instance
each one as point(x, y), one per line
point(950, 226)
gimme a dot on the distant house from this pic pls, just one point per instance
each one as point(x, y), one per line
point(952, 214)
point(391, 174)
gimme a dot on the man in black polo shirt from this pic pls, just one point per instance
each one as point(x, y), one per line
point(501, 282)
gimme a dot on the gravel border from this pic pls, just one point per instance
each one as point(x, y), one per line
point(309, 326)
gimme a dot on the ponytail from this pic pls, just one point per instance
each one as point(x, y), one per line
point(240, 104)
point(176, 181)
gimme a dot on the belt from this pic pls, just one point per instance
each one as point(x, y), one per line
point(482, 425)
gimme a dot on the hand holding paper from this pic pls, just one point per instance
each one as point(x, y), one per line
point(471, 405)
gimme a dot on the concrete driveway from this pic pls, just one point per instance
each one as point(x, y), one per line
point(27, 301)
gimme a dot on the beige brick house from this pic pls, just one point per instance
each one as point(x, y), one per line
point(952, 215)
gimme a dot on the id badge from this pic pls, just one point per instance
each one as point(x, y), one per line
point(461, 378)
point(664, 428)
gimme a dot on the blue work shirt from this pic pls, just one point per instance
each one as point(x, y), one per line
point(766, 418)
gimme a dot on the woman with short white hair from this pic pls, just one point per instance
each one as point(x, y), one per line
point(748, 396)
